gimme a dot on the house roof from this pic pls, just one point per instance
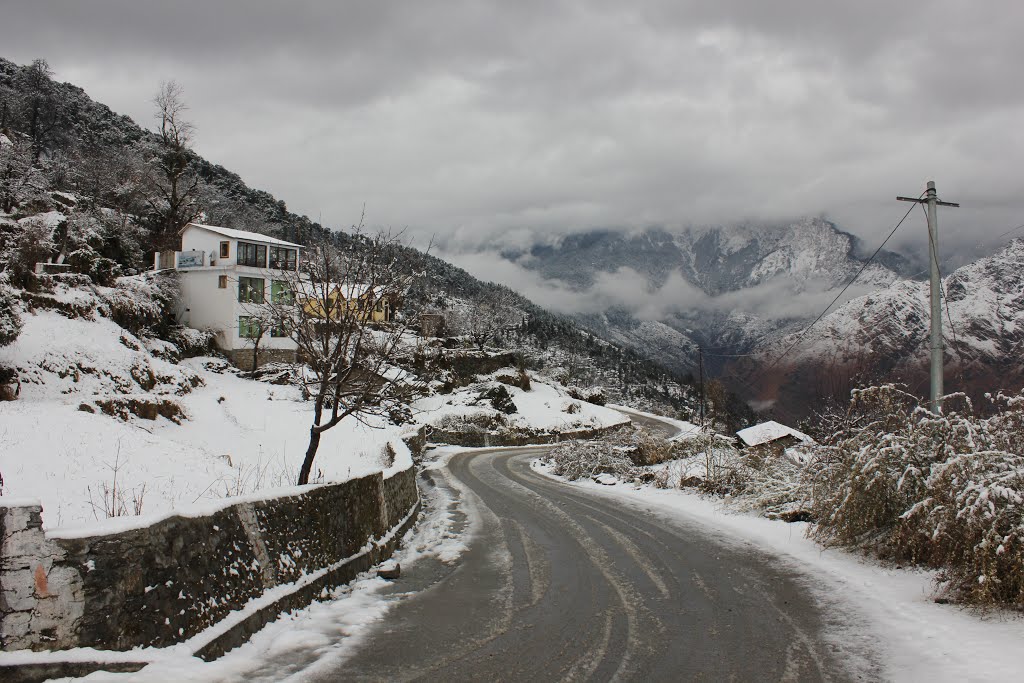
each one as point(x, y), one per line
point(766, 432)
point(242, 235)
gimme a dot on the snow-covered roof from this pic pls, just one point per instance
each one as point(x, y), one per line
point(766, 432)
point(243, 235)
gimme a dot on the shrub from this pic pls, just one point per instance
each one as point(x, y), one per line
point(476, 422)
point(873, 470)
point(142, 305)
point(31, 244)
point(10, 317)
point(500, 399)
point(584, 459)
point(100, 269)
point(190, 342)
point(945, 491)
point(648, 450)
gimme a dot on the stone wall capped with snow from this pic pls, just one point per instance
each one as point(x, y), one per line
point(163, 583)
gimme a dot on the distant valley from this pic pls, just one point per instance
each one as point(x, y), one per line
point(745, 293)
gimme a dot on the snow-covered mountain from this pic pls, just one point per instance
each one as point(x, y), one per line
point(884, 335)
point(732, 288)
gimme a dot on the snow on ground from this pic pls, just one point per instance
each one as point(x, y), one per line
point(869, 607)
point(239, 436)
point(58, 357)
point(544, 407)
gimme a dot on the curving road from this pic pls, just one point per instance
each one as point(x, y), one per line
point(560, 583)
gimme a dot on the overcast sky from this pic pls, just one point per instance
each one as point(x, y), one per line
point(491, 123)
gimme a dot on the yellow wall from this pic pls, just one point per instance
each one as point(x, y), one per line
point(353, 307)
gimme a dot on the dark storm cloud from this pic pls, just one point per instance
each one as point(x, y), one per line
point(501, 123)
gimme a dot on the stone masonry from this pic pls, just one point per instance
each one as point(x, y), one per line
point(163, 583)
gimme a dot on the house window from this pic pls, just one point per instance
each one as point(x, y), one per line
point(281, 293)
point(248, 327)
point(225, 249)
point(250, 290)
point(279, 330)
point(251, 255)
point(222, 281)
point(283, 259)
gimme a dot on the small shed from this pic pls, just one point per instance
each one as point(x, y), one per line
point(772, 437)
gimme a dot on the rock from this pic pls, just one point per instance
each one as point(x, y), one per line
point(796, 516)
point(390, 570)
point(606, 479)
point(86, 408)
point(10, 385)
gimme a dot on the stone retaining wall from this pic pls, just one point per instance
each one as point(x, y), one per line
point(514, 437)
point(163, 583)
point(242, 358)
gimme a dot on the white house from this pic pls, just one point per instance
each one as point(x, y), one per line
point(226, 275)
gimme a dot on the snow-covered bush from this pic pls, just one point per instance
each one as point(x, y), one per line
point(191, 342)
point(499, 399)
point(10, 317)
point(30, 243)
point(101, 270)
point(946, 491)
point(142, 304)
point(474, 422)
point(585, 459)
point(871, 469)
point(647, 449)
point(772, 485)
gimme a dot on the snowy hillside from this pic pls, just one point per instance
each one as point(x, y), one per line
point(105, 425)
point(542, 407)
point(111, 423)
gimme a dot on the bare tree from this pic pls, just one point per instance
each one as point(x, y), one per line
point(485, 316)
point(329, 313)
point(42, 109)
point(260, 321)
point(174, 184)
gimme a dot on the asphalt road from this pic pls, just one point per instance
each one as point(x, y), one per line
point(563, 584)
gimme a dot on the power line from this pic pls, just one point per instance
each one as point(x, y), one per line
point(1004, 234)
point(838, 296)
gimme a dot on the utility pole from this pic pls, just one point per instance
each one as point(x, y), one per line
point(700, 364)
point(932, 200)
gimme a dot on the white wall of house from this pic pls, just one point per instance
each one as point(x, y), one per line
point(210, 292)
point(196, 239)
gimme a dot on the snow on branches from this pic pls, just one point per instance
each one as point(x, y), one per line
point(945, 491)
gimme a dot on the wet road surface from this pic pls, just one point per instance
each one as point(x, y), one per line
point(560, 583)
